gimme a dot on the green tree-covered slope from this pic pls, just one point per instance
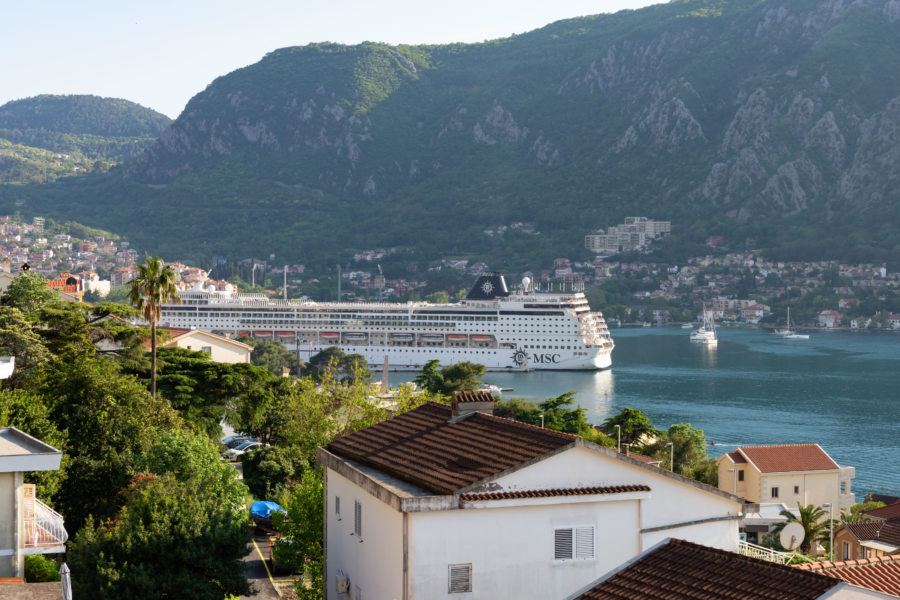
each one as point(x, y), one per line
point(47, 137)
point(773, 123)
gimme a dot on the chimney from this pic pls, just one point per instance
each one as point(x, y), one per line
point(465, 403)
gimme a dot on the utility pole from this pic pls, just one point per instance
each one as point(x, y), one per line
point(339, 283)
point(285, 283)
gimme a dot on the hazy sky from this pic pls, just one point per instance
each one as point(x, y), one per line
point(160, 53)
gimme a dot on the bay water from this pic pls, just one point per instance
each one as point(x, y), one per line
point(838, 389)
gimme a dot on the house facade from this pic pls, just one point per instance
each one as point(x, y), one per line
point(790, 473)
point(220, 349)
point(27, 525)
point(444, 502)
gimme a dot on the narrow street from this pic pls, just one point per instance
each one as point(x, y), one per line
point(258, 573)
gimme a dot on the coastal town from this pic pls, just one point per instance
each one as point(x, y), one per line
point(739, 288)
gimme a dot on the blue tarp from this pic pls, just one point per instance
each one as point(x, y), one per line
point(263, 509)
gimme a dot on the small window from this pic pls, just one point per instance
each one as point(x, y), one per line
point(207, 349)
point(357, 518)
point(845, 551)
point(337, 507)
point(574, 543)
point(741, 475)
point(774, 492)
point(460, 578)
point(796, 489)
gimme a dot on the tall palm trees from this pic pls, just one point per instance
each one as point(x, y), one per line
point(153, 286)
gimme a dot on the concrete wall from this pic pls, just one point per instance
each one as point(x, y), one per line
point(511, 549)
point(375, 563)
point(12, 527)
point(221, 350)
point(672, 501)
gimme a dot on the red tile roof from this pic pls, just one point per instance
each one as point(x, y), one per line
point(583, 491)
point(886, 532)
point(888, 513)
point(422, 447)
point(881, 573)
point(788, 457)
point(736, 457)
point(680, 570)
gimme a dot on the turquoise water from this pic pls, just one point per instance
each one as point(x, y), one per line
point(839, 389)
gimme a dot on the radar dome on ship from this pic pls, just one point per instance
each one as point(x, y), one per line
point(229, 288)
point(526, 282)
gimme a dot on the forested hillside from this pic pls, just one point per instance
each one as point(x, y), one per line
point(770, 122)
point(47, 137)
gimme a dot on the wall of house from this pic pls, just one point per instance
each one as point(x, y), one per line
point(11, 563)
point(672, 500)
point(749, 489)
point(814, 487)
point(221, 351)
point(511, 549)
point(374, 563)
point(855, 550)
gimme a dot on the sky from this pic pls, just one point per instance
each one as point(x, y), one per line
point(161, 53)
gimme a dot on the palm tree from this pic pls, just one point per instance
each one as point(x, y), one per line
point(812, 518)
point(153, 286)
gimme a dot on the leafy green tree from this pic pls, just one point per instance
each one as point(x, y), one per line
point(812, 518)
point(332, 362)
point(168, 540)
point(272, 355)
point(553, 413)
point(635, 424)
point(39, 568)
point(268, 469)
point(858, 511)
point(430, 377)
point(302, 528)
point(28, 292)
point(153, 286)
point(19, 338)
point(200, 389)
point(28, 412)
point(461, 376)
point(193, 458)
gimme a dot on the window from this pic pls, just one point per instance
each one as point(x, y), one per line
point(357, 518)
point(207, 349)
point(337, 507)
point(796, 489)
point(574, 543)
point(741, 475)
point(460, 578)
point(845, 551)
point(774, 492)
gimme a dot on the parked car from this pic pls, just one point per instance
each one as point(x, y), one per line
point(238, 440)
point(234, 453)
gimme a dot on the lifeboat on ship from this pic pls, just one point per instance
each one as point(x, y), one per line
point(432, 337)
point(457, 337)
point(356, 337)
point(329, 335)
point(482, 338)
point(262, 334)
point(285, 334)
point(402, 337)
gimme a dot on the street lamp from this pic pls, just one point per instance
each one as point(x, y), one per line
point(671, 456)
point(734, 478)
point(542, 420)
point(830, 508)
point(618, 438)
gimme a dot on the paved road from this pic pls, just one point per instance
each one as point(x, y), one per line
point(258, 573)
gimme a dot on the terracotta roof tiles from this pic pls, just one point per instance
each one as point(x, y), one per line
point(583, 491)
point(888, 513)
point(680, 570)
point(788, 457)
point(881, 573)
point(423, 447)
point(886, 532)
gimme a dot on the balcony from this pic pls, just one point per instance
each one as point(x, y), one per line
point(44, 529)
point(762, 553)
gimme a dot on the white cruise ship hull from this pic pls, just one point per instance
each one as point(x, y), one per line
point(503, 331)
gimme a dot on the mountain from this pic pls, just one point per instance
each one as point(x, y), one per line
point(773, 123)
point(46, 137)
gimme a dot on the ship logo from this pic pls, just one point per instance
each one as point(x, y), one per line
point(487, 287)
point(519, 357)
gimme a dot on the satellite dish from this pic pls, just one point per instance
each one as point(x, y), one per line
point(526, 281)
point(792, 536)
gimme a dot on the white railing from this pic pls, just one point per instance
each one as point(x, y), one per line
point(45, 528)
point(763, 553)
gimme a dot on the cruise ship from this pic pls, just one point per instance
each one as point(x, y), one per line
point(519, 330)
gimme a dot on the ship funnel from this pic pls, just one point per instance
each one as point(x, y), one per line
point(488, 287)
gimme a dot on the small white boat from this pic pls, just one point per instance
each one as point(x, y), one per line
point(789, 333)
point(706, 333)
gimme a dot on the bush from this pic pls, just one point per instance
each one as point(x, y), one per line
point(39, 568)
point(269, 468)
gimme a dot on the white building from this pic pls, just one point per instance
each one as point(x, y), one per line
point(220, 349)
point(634, 234)
point(447, 502)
